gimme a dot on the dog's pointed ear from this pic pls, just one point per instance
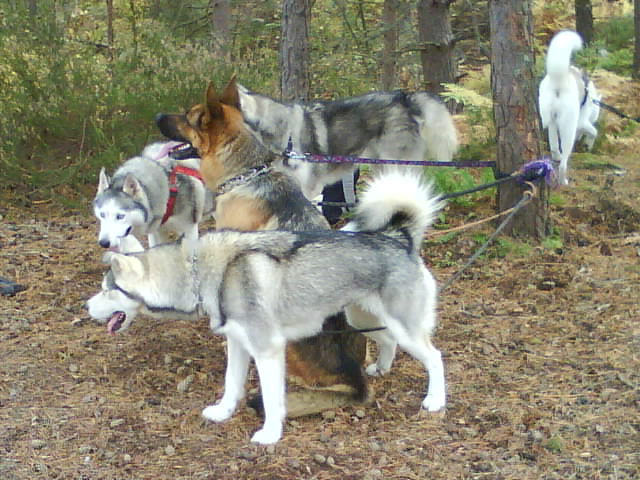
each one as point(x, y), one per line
point(212, 103)
point(230, 95)
point(132, 187)
point(125, 267)
point(103, 180)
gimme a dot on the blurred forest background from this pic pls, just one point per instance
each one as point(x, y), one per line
point(81, 81)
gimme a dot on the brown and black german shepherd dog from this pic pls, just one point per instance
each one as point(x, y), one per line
point(254, 192)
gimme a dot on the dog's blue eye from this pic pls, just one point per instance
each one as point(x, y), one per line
point(102, 215)
point(120, 216)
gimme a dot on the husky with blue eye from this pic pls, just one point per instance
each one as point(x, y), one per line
point(154, 194)
point(267, 289)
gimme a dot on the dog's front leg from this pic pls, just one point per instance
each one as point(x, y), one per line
point(234, 382)
point(271, 370)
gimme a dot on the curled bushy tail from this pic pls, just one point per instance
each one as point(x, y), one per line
point(562, 46)
point(394, 201)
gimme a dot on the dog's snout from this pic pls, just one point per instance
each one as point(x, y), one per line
point(104, 243)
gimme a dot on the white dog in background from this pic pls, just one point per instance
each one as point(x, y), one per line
point(567, 101)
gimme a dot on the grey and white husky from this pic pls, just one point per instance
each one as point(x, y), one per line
point(264, 289)
point(385, 125)
point(136, 200)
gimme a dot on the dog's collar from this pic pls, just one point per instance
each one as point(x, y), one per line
point(243, 178)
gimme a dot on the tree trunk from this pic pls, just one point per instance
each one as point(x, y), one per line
point(220, 27)
point(390, 44)
point(32, 8)
point(636, 29)
point(515, 110)
point(294, 50)
point(584, 20)
point(110, 35)
point(436, 39)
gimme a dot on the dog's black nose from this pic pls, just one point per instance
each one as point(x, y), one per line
point(159, 118)
point(104, 243)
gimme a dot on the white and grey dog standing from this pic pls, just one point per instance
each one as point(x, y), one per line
point(135, 200)
point(264, 289)
point(384, 125)
point(567, 101)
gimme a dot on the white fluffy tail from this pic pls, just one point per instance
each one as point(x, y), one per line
point(562, 46)
point(395, 200)
point(438, 129)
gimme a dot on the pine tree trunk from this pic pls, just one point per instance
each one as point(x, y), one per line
point(636, 29)
point(220, 28)
point(294, 50)
point(584, 20)
point(390, 44)
point(515, 109)
point(437, 41)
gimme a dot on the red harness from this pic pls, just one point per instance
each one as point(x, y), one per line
point(173, 187)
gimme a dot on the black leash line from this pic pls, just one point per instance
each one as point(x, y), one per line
point(613, 109)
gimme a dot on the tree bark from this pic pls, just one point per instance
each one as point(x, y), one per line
point(220, 27)
point(636, 29)
point(515, 110)
point(294, 50)
point(390, 44)
point(110, 35)
point(437, 41)
point(584, 20)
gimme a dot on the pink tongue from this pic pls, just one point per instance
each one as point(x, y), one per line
point(115, 322)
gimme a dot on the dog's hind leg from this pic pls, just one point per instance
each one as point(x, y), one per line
point(424, 351)
point(419, 346)
point(234, 382)
point(589, 133)
point(271, 370)
point(359, 318)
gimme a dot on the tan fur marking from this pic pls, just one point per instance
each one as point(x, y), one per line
point(241, 213)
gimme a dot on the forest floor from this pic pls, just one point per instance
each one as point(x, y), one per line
point(540, 346)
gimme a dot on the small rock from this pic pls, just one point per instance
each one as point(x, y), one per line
point(169, 450)
point(331, 461)
point(37, 444)
point(184, 384)
point(536, 435)
point(73, 368)
point(318, 458)
point(373, 474)
point(329, 415)
point(360, 413)
point(117, 422)
point(126, 458)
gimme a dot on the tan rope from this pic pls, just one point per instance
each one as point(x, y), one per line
point(529, 193)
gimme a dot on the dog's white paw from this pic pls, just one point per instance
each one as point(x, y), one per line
point(434, 402)
point(374, 370)
point(266, 436)
point(218, 412)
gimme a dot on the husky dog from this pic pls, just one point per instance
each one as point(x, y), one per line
point(386, 125)
point(254, 192)
point(264, 289)
point(151, 194)
point(568, 101)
